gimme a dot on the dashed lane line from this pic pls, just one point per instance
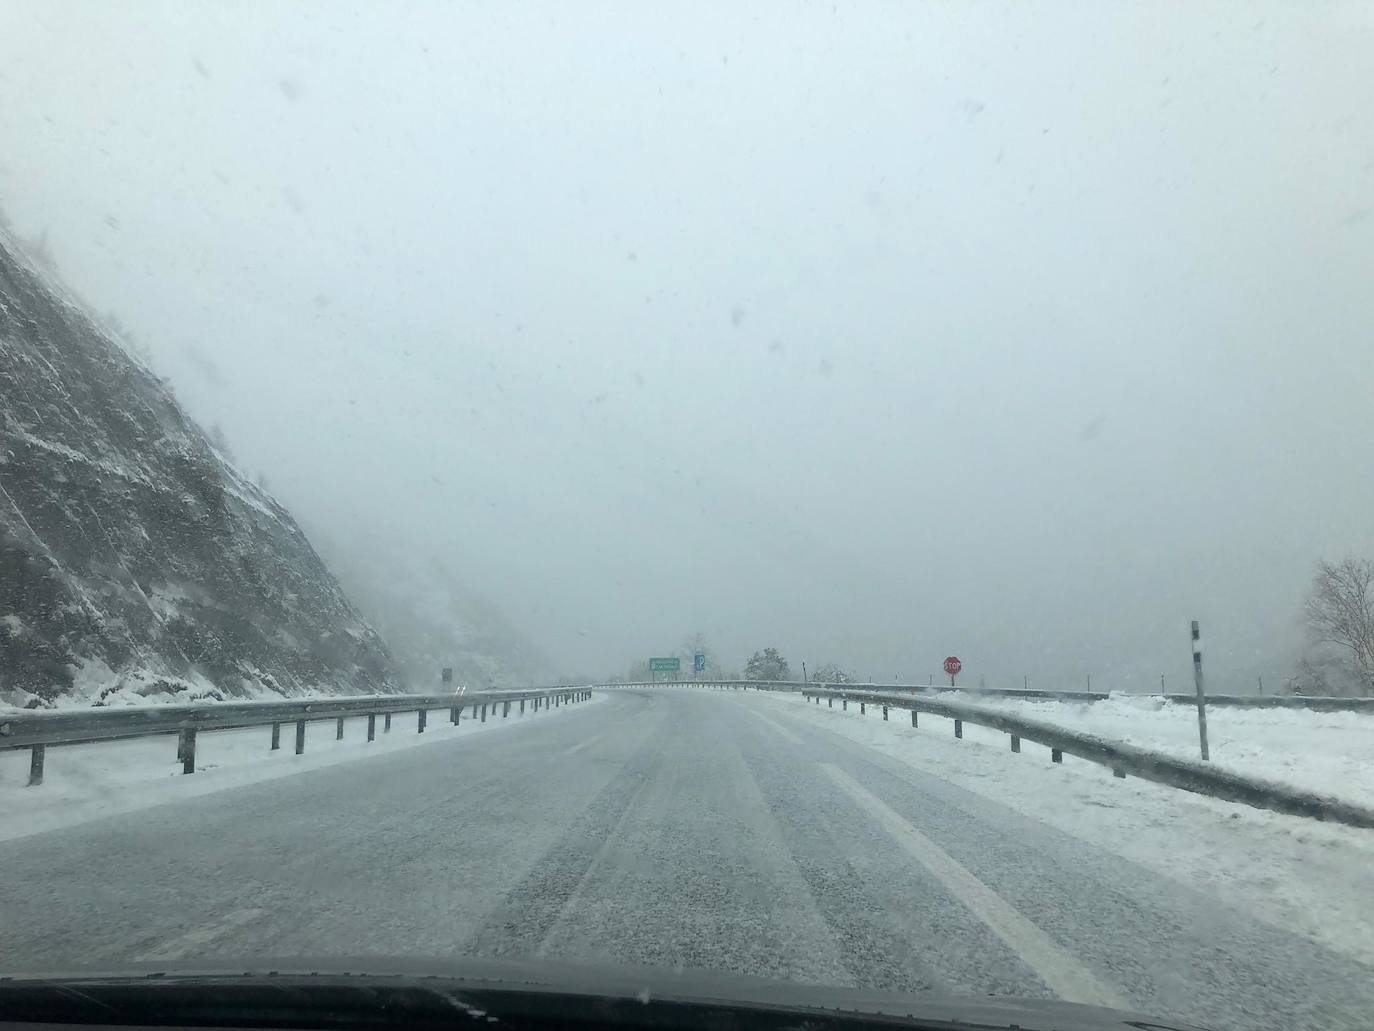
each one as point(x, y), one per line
point(1063, 973)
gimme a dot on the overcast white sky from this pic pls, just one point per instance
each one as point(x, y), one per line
point(877, 332)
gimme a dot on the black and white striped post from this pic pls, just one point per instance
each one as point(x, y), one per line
point(1201, 695)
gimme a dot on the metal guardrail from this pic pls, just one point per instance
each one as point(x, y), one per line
point(1122, 758)
point(38, 730)
point(1319, 703)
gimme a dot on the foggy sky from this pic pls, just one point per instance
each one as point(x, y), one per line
point(875, 332)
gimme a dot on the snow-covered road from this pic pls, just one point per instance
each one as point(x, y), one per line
point(685, 828)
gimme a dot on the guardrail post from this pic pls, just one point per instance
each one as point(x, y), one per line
point(36, 756)
point(276, 736)
point(522, 706)
point(844, 704)
point(300, 736)
point(420, 722)
point(829, 702)
point(913, 717)
point(188, 757)
point(484, 712)
point(884, 712)
point(453, 714)
point(1015, 743)
point(1056, 756)
point(371, 726)
point(863, 709)
point(338, 729)
point(181, 745)
point(958, 728)
point(386, 723)
point(505, 709)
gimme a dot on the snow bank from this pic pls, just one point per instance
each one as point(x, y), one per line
point(87, 782)
point(1331, 753)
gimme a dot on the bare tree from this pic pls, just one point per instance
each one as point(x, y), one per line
point(1340, 612)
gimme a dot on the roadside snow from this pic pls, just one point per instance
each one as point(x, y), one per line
point(1331, 753)
point(93, 681)
point(87, 782)
point(1310, 878)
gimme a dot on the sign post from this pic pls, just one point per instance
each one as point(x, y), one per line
point(1201, 695)
point(661, 665)
point(952, 667)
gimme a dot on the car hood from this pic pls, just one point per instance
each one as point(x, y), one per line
point(494, 989)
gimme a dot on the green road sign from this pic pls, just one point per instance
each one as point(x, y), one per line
point(665, 665)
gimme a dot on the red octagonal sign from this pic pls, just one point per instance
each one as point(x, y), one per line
point(953, 665)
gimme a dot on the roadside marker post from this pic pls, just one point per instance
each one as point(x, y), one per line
point(1201, 693)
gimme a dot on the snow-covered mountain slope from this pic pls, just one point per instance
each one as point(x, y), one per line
point(432, 619)
point(135, 561)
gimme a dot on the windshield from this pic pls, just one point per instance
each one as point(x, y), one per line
point(854, 494)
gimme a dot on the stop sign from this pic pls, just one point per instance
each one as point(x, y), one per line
point(953, 665)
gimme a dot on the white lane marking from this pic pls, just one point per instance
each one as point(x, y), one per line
point(194, 939)
point(787, 734)
point(1065, 975)
point(585, 744)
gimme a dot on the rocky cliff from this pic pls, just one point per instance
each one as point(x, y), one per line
point(135, 561)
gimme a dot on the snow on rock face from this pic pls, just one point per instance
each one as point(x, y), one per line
point(135, 563)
